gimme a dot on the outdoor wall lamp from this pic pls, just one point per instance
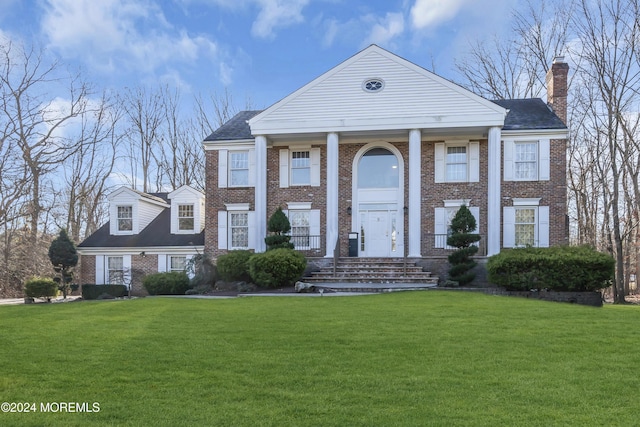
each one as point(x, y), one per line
point(406, 210)
point(349, 210)
point(142, 254)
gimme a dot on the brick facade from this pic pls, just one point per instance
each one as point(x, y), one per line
point(140, 266)
point(552, 192)
point(298, 116)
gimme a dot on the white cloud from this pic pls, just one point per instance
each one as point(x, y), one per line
point(114, 34)
point(431, 13)
point(386, 29)
point(277, 13)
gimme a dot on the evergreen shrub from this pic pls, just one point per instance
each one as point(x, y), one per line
point(463, 225)
point(40, 287)
point(277, 267)
point(279, 226)
point(558, 268)
point(170, 283)
point(90, 291)
point(232, 266)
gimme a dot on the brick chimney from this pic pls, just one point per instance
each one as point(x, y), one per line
point(557, 87)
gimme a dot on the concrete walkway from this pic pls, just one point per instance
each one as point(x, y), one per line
point(15, 301)
point(322, 290)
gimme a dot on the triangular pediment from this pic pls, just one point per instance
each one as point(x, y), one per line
point(409, 97)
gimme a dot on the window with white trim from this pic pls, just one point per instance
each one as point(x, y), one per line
point(525, 226)
point(239, 168)
point(115, 270)
point(526, 223)
point(177, 263)
point(300, 168)
point(457, 161)
point(186, 218)
point(239, 230)
point(125, 218)
point(527, 160)
point(300, 229)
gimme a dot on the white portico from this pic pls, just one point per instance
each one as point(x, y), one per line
point(381, 102)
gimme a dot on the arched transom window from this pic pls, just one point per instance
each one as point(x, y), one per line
point(378, 168)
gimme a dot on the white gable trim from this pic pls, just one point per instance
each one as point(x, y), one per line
point(486, 114)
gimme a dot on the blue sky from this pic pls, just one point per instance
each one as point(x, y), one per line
point(260, 50)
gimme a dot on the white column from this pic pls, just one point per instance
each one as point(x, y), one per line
point(261, 193)
point(493, 192)
point(332, 192)
point(414, 234)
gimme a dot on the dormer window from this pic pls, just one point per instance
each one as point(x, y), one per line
point(186, 219)
point(125, 218)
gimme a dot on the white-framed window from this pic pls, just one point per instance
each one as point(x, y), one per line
point(115, 270)
point(526, 160)
point(300, 228)
point(525, 226)
point(239, 230)
point(125, 218)
point(444, 216)
point(457, 161)
point(305, 225)
point(186, 217)
point(299, 166)
point(236, 227)
point(238, 168)
point(526, 223)
point(177, 263)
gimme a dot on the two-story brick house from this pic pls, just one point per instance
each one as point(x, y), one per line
point(380, 150)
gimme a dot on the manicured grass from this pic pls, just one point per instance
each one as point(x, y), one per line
point(421, 358)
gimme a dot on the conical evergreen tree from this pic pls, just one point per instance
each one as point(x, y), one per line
point(462, 227)
point(279, 225)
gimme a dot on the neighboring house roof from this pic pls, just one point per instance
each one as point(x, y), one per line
point(529, 114)
point(157, 233)
point(236, 128)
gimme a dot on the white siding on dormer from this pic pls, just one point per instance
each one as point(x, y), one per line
point(186, 195)
point(144, 209)
point(336, 100)
point(147, 212)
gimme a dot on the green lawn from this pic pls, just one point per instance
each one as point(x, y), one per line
point(414, 358)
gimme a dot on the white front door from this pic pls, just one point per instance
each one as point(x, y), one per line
point(379, 234)
point(380, 241)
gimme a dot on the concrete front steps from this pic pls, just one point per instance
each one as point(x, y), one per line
point(372, 275)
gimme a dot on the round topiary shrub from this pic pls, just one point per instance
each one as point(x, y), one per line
point(233, 267)
point(40, 287)
point(277, 267)
point(172, 283)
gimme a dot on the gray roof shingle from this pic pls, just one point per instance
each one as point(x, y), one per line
point(236, 128)
point(529, 114)
point(157, 233)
